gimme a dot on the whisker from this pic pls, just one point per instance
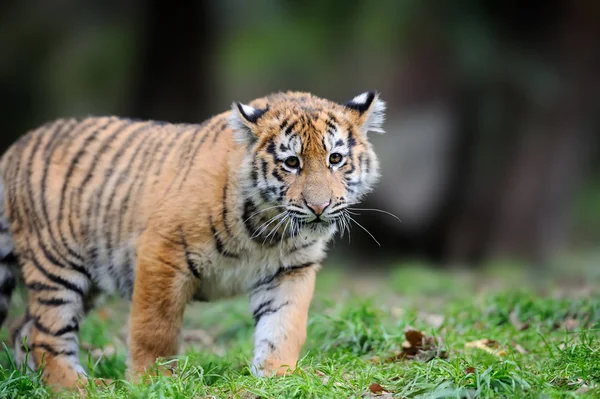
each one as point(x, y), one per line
point(263, 210)
point(267, 224)
point(276, 228)
point(376, 210)
point(367, 231)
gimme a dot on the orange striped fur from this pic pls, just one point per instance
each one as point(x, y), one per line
point(165, 214)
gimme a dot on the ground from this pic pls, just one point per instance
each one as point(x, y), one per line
point(504, 331)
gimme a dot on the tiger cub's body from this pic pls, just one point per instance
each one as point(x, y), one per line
point(164, 214)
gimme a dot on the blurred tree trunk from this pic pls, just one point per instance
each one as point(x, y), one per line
point(523, 212)
point(177, 62)
point(548, 166)
point(509, 184)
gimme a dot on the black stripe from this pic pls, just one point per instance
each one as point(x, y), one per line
point(136, 183)
point(142, 177)
point(106, 145)
point(283, 147)
point(65, 185)
point(330, 124)
point(36, 286)
point(50, 350)
point(12, 188)
point(276, 175)
point(194, 154)
point(168, 263)
point(283, 124)
point(272, 148)
point(222, 128)
point(290, 128)
point(280, 272)
point(268, 311)
point(28, 204)
point(186, 147)
point(260, 308)
point(57, 132)
point(224, 210)
point(71, 328)
point(78, 268)
point(53, 277)
point(184, 155)
point(109, 208)
point(95, 215)
point(264, 168)
point(219, 245)
point(53, 301)
point(93, 167)
point(48, 155)
point(190, 263)
point(333, 119)
point(168, 149)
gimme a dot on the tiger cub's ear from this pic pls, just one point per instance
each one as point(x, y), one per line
point(243, 120)
point(371, 111)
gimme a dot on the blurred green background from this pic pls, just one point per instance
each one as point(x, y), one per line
point(493, 126)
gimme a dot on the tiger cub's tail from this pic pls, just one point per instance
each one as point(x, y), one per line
point(8, 259)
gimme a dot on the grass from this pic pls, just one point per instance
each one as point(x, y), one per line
point(546, 329)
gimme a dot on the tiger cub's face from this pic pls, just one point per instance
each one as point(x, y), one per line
point(309, 155)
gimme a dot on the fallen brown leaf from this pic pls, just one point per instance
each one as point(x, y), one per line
point(375, 388)
point(420, 347)
point(470, 370)
point(488, 345)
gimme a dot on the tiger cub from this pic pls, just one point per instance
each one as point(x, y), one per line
point(164, 214)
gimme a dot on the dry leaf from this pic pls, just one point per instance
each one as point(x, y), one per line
point(470, 370)
point(514, 320)
point(418, 346)
point(375, 388)
point(488, 345)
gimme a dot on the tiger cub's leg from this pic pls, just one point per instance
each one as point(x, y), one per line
point(280, 310)
point(55, 309)
point(163, 286)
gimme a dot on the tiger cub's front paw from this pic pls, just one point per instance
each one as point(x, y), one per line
point(273, 366)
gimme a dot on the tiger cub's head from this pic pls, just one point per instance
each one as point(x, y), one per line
point(309, 156)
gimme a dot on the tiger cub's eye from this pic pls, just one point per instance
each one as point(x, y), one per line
point(292, 162)
point(335, 158)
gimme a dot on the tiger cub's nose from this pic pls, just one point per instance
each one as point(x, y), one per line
point(318, 208)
